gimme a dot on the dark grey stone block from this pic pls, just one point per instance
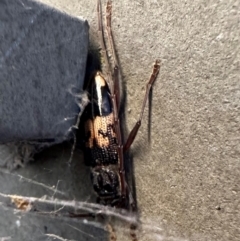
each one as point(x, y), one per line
point(43, 55)
point(52, 183)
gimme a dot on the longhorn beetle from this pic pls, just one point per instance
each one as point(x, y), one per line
point(103, 146)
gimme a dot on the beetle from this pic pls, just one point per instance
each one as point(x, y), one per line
point(103, 141)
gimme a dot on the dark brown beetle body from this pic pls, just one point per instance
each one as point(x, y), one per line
point(100, 150)
point(103, 146)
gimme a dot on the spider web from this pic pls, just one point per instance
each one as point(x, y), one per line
point(50, 200)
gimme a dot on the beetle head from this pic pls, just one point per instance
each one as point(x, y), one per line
point(106, 182)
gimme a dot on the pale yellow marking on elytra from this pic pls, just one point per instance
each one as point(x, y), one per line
point(100, 82)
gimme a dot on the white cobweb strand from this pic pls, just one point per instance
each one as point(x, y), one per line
point(82, 101)
point(149, 229)
point(16, 154)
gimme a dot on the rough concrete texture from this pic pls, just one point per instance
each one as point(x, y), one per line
point(187, 177)
point(43, 62)
point(48, 179)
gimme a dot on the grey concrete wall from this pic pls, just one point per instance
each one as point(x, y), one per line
point(40, 72)
point(187, 177)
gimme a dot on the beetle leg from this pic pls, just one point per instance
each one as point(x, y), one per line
point(115, 96)
point(135, 129)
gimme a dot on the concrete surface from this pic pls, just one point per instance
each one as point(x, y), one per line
point(187, 177)
point(48, 178)
point(40, 72)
